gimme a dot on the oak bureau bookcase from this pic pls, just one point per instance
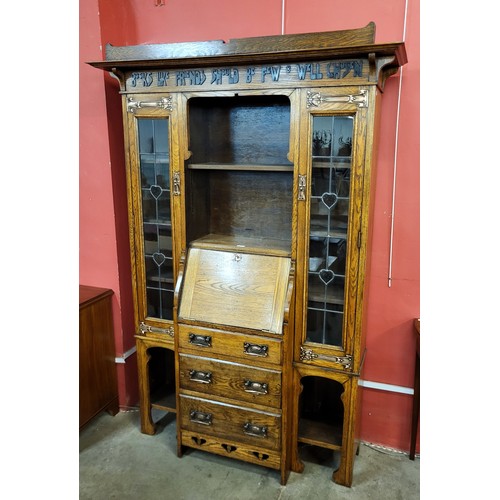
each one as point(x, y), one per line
point(250, 174)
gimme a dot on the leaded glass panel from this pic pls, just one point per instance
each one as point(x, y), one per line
point(329, 209)
point(156, 217)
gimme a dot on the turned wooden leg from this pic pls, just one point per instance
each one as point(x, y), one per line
point(416, 409)
point(147, 425)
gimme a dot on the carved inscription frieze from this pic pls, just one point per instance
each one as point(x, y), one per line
point(264, 74)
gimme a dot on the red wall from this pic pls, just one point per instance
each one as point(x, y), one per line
point(104, 255)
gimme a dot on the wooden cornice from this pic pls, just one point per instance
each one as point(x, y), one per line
point(284, 48)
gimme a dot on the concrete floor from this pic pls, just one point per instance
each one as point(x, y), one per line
point(117, 461)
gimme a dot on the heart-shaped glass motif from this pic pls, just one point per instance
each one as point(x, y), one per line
point(329, 199)
point(156, 191)
point(159, 258)
point(326, 276)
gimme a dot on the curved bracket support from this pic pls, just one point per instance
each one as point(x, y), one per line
point(116, 73)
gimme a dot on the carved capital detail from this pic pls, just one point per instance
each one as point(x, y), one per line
point(310, 355)
point(153, 329)
point(164, 103)
point(307, 354)
point(316, 99)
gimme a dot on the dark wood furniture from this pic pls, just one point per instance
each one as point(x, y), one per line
point(250, 179)
point(98, 380)
point(416, 392)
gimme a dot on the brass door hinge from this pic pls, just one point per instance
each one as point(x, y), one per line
point(302, 187)
point(177, 183)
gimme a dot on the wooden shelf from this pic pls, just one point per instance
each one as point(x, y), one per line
point(332, 164)
point(320, 434)
point(242, 167)
point(159, 279)
point(166, 223)
point(316, 293)
point(320, 233)
point(263, 246)
point(163, 401)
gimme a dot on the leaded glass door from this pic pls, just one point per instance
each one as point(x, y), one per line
point(154, 164)
point(331, 188)
point(150, 129)
point(329, 209)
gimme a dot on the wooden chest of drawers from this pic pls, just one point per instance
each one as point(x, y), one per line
point(230, 377)
point(98, 379)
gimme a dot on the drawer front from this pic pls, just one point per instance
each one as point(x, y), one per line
point(240, 451)
point(230, 380)
point(250, 348)
point(231, 422)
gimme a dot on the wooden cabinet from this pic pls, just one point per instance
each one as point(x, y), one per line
point(250, 172)
point(98, 380)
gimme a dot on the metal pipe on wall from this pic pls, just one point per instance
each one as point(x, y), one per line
point(391, 239)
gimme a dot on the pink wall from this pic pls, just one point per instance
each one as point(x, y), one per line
point(386, 415)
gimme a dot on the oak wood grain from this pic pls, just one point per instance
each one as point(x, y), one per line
point(241, 164)
point(235, 289)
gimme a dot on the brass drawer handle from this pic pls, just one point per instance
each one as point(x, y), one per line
point(200, 340)
point(202, 377)
point(255, 349)
point(198, 417)
point(255, 387)
point(255, 430)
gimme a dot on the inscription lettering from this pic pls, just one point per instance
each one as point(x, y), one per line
point(253, 74)
point(339, 70)
point(190, 77)
point(146, 78)
point(312, 69)
point(274, 71)
point(232, 75)
point(162, 78)
point(250, 74)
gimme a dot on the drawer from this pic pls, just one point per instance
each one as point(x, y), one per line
point(231, 422)
point(240, 451)
point(230, 380)
point(207, 342)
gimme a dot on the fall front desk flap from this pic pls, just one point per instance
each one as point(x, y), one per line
point(235, 289)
